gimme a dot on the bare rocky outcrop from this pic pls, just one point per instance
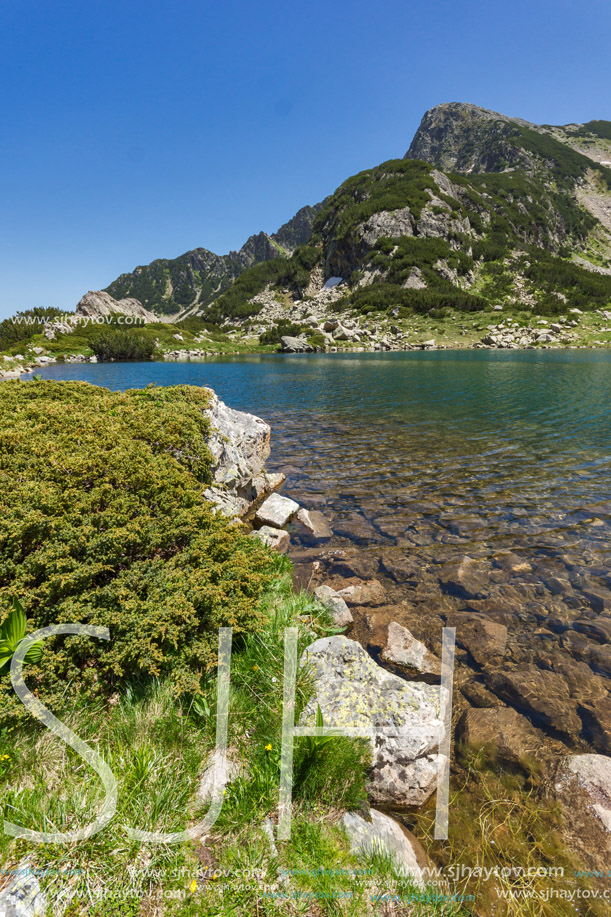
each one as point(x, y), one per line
point(100, 305)
point(239, 443)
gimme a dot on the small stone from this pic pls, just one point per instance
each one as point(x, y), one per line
point(315, 522)
point(403, 650)
point(276, 511)
point(277, 539)
point(342, 616)
point(384, 836)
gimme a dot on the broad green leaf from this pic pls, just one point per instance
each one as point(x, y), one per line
point(14, 628)
point(34, 653)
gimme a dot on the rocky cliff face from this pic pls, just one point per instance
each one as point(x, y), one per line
point(464, 138)
point(484, 209)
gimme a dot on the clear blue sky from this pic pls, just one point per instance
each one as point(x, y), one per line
point(134, 130)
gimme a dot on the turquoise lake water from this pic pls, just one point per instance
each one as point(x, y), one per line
point(424, 458)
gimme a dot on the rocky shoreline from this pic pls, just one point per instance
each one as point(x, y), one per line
point(518, 716)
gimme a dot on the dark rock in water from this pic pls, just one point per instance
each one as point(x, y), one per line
point(544, 695)
point(403, 568)
point(502, 731)
point(478, 694)
point(512, 563)
point(483, 639)
point(359, 592)
point(599, 598)
point(467, 578)
point(316, 525)
point(499, 610)
point(356, 528)
point(600, 660)
point(360, 565)
point(597, 724)
point(597, 628)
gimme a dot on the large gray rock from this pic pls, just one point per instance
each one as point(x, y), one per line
point(383, 835)
point(276, 511)
point(239, 443)
point(294, 345)
point(340, 612)
point(593, 772)
point(353, 691)
point(22, 897)
point(403, 650)
point(98, 304)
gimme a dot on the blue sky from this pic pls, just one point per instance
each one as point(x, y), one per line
point(134, 130)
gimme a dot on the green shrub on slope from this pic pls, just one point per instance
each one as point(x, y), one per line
point(122, 345)
point(104, 523)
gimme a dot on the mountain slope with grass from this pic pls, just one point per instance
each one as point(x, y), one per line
point(484, 210)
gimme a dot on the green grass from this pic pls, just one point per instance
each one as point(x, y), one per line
point(156, 744)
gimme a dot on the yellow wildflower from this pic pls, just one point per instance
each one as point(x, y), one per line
point(255, 668)
point(193, 886)
point(268, 747)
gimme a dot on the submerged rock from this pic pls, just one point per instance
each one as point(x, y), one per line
point(403, 650)
point(360, 592)
point(500, 730)
point(544, 694)
point(353, 691)
point(485, 640)
point(593, 772)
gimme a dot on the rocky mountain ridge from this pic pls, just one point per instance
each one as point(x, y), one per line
point(193, 280)
point(503, 212)
point(484, 209)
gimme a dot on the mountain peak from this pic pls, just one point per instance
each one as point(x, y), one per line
point(450, 133)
